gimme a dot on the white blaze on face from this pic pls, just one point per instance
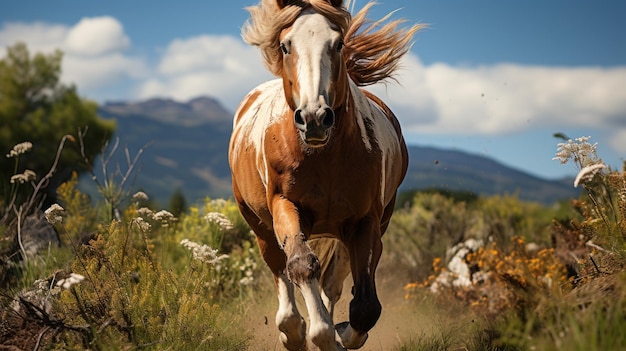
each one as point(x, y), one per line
point(312, 39)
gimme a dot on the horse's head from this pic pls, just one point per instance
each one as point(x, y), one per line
point(313, 69)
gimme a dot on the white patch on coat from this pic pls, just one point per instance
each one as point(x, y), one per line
point(385, 137)
point(269, 107)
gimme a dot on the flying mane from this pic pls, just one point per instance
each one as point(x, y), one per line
point(372, 50)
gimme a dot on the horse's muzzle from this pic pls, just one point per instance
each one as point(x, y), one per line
point(314, 127)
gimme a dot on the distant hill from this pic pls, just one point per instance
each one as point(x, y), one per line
point(458, 170)
point(187, 147)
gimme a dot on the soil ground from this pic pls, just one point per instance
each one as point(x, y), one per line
point(398, 321)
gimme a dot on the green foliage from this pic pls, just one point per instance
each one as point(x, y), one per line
point(84, 219)
point(405, 198)
point(436, 222)
point(35, 106)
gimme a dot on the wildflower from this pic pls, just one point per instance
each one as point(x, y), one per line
point(202, 253)
point(74, 278)
point(141, 224)
point(165, 217)
point(248, 267)
point(219, 219)
point(248, 279)
point(53, 214)
point(25, 177)
point(587, 173)
point(579, 150)
point(140, 196)
point(146, 212)
point(20, 149)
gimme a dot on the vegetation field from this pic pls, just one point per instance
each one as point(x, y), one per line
point(459, 272)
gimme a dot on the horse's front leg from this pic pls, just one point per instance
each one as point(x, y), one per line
point(303, 270)
point(288, 320)
point(365, 248)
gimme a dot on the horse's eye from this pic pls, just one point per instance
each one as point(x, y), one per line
point(340, 45)
point(283, 47)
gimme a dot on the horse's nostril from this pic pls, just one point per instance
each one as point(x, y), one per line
point(329, 118)
point(299, 120)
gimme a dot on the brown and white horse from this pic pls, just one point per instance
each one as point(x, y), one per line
point(316, 161)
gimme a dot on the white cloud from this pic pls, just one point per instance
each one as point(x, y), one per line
point(219, 66)
point(91, 73)
point(506, 98)
point(96, 36)
point(501, 99)
point(39, 36)
point(94, 50)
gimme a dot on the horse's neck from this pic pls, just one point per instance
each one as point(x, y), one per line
point(356, 114)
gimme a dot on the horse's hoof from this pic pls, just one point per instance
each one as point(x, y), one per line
point(350, 338)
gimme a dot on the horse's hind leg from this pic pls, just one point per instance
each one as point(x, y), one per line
point(365, 308)
point(335, 267)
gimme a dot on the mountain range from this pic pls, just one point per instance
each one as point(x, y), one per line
point(185, 147)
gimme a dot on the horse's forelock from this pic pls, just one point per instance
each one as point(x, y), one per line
point(267, 21)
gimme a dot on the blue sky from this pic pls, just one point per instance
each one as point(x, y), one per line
point(496, 78)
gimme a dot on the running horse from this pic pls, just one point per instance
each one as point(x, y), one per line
point(316, 161)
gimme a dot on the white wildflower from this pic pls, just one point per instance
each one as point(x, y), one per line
point(53, 214)
point(141, 224)
point(580, 151)
point(25, 177)
point(202, 253)
point(587, 173)
point(248, 267)
point(145, 212)
point(140, 196)
point(248, 279)
point(20, 149)
point(74, 278)
point(165, 217)
point(219, 219)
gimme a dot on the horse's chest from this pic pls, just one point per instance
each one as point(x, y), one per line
point(334, 196)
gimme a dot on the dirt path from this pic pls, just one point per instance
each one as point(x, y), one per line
point(399, 320)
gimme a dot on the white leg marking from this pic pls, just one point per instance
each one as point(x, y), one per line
point(321, 329)
point(351, 339)
point(288, 319)
point(329, 304)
